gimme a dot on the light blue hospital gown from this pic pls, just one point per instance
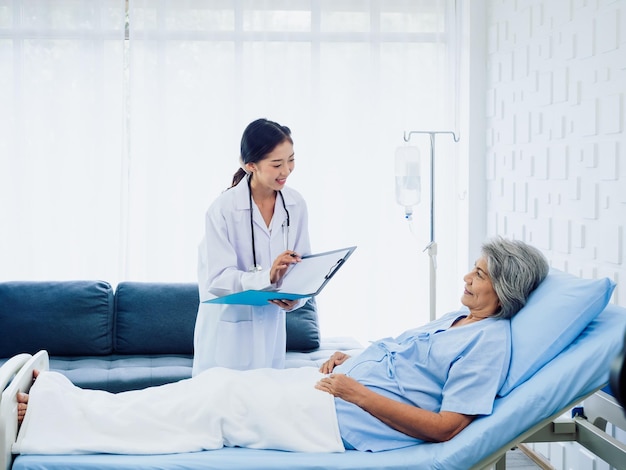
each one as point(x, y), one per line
point(434, 367)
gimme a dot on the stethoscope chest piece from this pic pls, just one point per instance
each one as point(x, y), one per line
point(255, 268)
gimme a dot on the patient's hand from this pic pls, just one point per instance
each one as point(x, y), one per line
point(337, 358)
point(22, 402)
point(344, 387)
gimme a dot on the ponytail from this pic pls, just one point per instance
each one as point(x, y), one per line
point(237, 177)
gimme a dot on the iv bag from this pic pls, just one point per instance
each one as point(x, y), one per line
point(408, 185)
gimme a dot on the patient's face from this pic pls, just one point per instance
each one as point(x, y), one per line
point(479, 295)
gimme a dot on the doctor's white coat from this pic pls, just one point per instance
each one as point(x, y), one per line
point(241, 336)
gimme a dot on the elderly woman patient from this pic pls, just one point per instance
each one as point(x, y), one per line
point(427, 384)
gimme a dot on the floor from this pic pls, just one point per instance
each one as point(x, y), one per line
point(519, 461)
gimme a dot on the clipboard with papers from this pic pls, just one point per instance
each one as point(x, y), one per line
point(305, 279)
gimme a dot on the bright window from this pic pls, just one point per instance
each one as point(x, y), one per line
point(121, 122)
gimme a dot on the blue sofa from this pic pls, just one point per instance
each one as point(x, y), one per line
point(137, 335)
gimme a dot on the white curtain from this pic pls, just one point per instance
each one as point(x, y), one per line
point(61, 138)
point(115, 148)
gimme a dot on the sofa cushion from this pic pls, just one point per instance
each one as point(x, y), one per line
point(303, 333)
point(64, 317)
point(155, 318)
point(118, 373)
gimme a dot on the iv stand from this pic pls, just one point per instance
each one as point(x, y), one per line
point(432, 246)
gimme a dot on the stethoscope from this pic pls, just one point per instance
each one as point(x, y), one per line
point(255, 267)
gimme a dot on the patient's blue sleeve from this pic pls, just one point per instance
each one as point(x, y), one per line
point(434, 367)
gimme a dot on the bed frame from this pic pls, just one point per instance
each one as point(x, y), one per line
point(587, 427)
point(530, 413)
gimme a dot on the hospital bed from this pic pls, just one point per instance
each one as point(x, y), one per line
point(563, 344)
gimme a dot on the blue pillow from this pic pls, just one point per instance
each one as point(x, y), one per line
point(557, 311)
point(303, 331)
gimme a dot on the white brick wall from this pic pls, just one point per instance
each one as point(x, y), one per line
point(556, 142)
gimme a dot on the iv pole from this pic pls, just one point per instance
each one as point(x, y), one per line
point(432, 246)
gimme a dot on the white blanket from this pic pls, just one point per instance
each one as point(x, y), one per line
point(261, 409)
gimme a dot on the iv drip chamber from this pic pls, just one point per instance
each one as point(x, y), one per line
point(408, 184)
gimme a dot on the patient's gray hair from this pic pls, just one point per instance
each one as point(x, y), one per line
point(515, 269)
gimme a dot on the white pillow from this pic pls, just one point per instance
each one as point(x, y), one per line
point(556, 312)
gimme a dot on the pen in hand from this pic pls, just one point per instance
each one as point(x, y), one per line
point(281, 265)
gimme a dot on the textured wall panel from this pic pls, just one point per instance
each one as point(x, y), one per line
point(589, 202)
point(541, 163)
point(544, 93)
point(588, 117)
point(522, 127)
point(567, 44)
point(562, 236)
point(573, 186)
point(578, 235)
point(586, 460)
point(558, 162)
point(610, 114)
point(585, 39)
point(607, 31)
point(608, 152)
point(560, 84)
point(521, 196)
point(556, 171)
point(589, 154)
point(610, 249)
point(558, 453)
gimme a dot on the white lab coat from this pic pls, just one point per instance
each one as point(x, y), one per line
point(242, 336)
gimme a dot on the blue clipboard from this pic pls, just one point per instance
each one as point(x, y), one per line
point(305, 279)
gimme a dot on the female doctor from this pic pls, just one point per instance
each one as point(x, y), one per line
point(254, 232)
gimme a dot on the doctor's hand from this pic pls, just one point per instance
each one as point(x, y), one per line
point(281, 265)
point(285, 303)
point(337, 358)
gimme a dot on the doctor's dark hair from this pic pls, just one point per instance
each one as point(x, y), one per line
point(515, 269)
point(259, 139)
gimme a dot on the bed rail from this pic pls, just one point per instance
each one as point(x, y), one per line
point(16, 375)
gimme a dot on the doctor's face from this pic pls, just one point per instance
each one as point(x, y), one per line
point(271, 173)
point(479, 295)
